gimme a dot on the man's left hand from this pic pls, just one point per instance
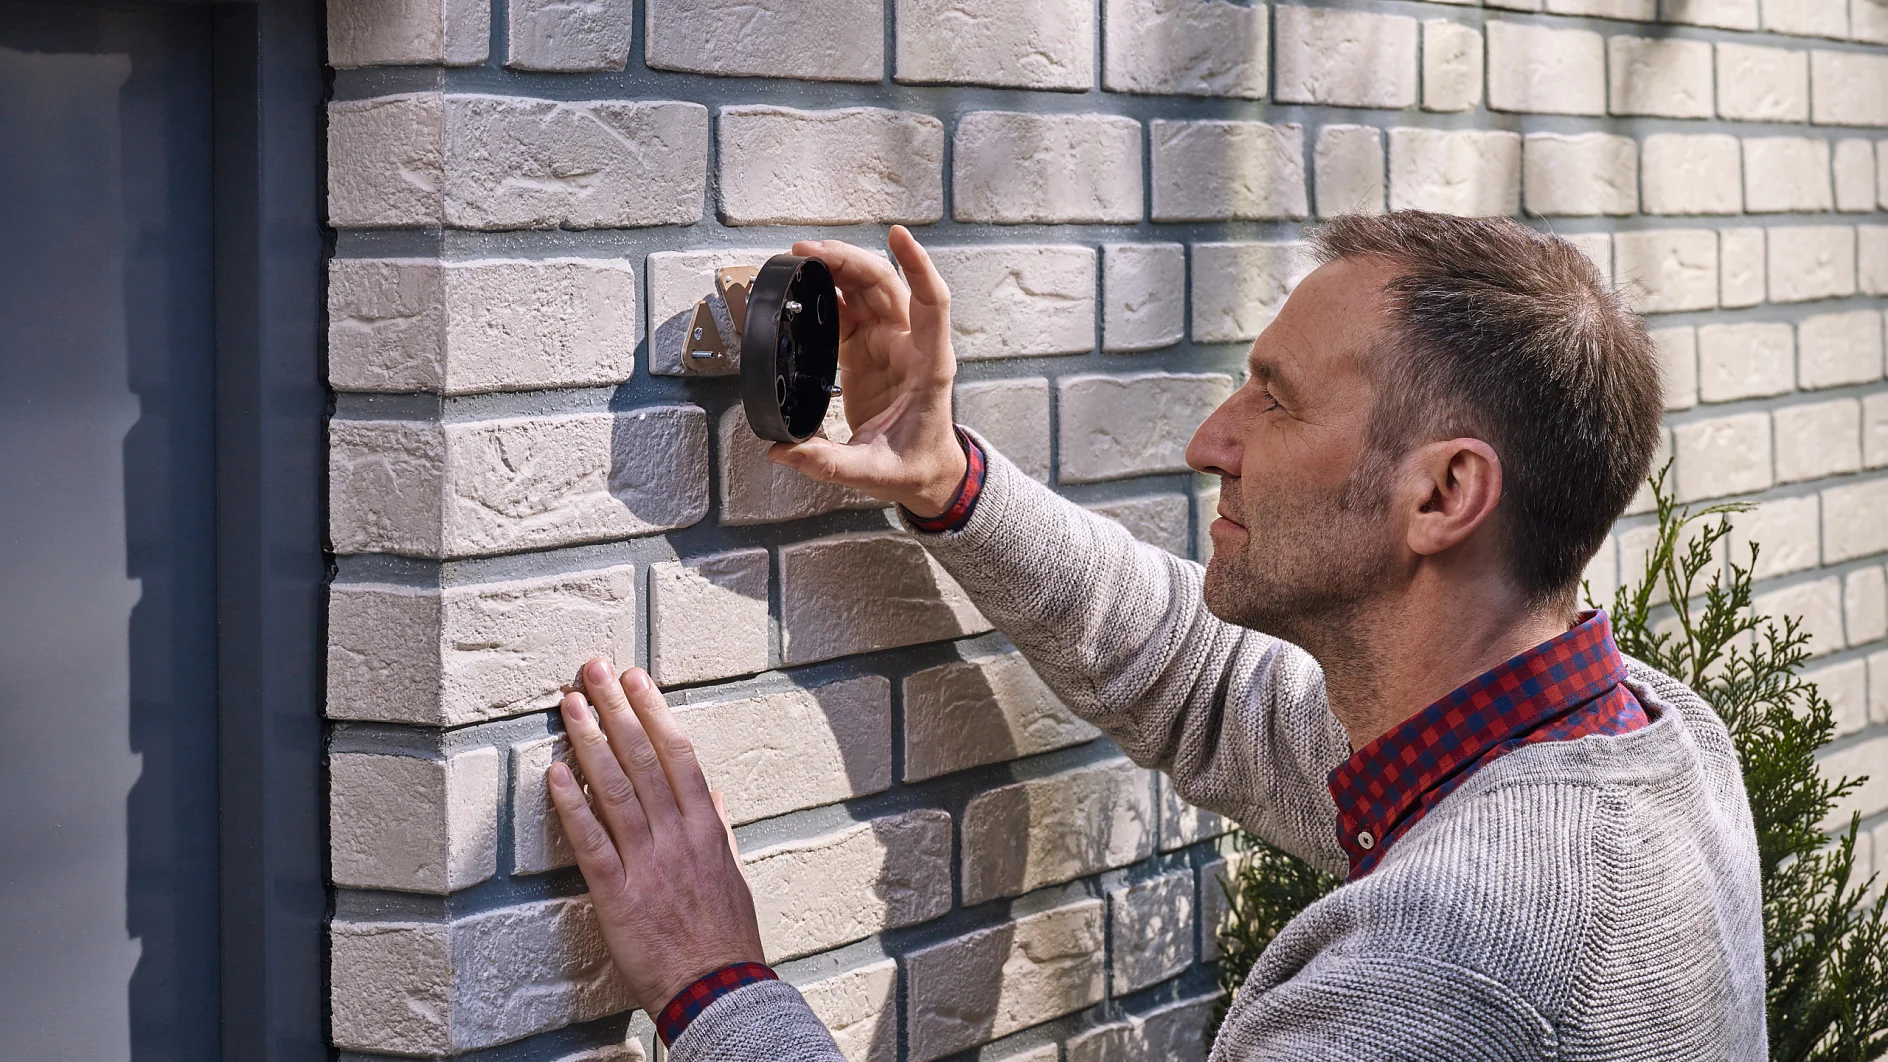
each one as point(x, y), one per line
point(652, 841)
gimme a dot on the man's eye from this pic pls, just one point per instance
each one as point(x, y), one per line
point(1270, 402)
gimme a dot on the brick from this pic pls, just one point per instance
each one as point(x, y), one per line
point(1181, 823)
point(1818, 603)
point(1452, 66)
point(1587, 173)
point(1875, 430)
point(1215, 911)
point(1878, 689)
point(408, 32)
point(1820, 439)
point(982, 710)
point(1857, 761)
point(1635, 551)
point(561, 36)
point(1851, 520)
point(1047, 45)
point(1600, 578)
point(1643, 501)
point(816, 894)
point(677, 281)
point(1348, 170)
point(1175, 1032)
point(1678, 365)
point(1185, 47)
point(1227, 170)
point(413, 825)
point(992, 982)
point(1671, 78)
point(1692, 174)
point(1470, 172)
point(1205, 510)
point(1742, 258)
point(1152, 926)
point(754, 490)
point(472, 488)
point(1013, 416)
point(834, 40)
point(1158, 519)
point(1865, 605)
point(1598, 249)
point(1848, 88)
point(1632, 10)
point(1546, 71)
point(633, 1049)
point(1881, 189)
point(431, 989)
point(1010, 301)
point(386, 161)
point(1788, 530)
point(782, 166)
point(1786, 174)
point(708, 617)
point(1726, 14)
point(1854, 176)
point(1759, 84)
point(487, 325)
point(1748, 360)
point(1049, 1052)
point(1011, 167)
point(1811, 262)
point(1839, 348)
point(1728, 455)
point(1871, 259)
point(1113, 427)
point(1022, 836)
point(774, 752)
point(1669, 270)
point(1239, 287)
point(538, 843)
point(1144, 293)
point(1345, 58)
point(826, 611)
point(860, 1008)
point(1868, 21)
point(1810, 18)
point(472, 651)
point(1846, 688)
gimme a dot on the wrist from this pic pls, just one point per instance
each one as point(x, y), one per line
point(942, 489)
point(695, 996)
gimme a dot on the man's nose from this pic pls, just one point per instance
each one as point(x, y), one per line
point(1214, 448)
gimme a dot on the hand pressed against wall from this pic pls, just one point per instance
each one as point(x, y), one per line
point(896, 367)
point(653, 843)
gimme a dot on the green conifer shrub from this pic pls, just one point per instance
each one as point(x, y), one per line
point(1827, 944)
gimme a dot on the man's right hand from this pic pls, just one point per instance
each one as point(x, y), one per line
point(895, 371)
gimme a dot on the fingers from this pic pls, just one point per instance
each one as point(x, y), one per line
point(927, 286)
point(867, 281)
point(597, 856)
point(727, 824)
point(615, 797)
point(672, 745)
point(858, 464)
point(631, 745)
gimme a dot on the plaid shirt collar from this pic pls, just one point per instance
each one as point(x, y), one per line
point(1567, 687)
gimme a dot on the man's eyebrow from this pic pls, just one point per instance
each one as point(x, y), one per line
point(1268, 371)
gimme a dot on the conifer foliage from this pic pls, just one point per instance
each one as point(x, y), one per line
point(1689, 614)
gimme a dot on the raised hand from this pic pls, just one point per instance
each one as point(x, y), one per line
point(895, 368)
point(653, 843)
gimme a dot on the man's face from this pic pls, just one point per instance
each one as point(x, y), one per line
point(1301, 543)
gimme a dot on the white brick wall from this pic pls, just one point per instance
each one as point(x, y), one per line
point(525, 473)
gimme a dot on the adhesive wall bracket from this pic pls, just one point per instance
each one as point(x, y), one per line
point(783, 318)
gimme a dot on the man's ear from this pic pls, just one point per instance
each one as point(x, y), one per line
point(1457, 484)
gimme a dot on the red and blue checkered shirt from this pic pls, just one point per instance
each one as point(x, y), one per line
point(1567, 687)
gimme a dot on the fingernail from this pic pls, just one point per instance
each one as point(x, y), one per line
point(560, 775)
point(597, 670)
point(635, 680)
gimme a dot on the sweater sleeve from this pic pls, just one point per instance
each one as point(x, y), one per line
point(1119, 630)
point(1385, 1008)
point(767, 1021)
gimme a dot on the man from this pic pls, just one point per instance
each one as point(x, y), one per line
point(1547, 849)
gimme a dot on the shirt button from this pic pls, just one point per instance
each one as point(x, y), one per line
point(1365, 841)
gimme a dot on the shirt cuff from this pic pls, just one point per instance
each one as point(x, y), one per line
point(694, 999)
point(964, 502)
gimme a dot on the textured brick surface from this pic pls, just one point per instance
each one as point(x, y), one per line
point(1786, 174)
point(1745, 361)
point(1545, 70)
point(1239, 287)
point(834, 40)
point(1591, 173)
point(1742, 259)
point(708, 617)
point(783, 166)
point(860, 1008)
point(399, 32)
point(825, 891)
point(825, 611)
point(1452, 66)
point(472, 651)
point(1118, 426)
point(1851, 520)
point(1685, 173)
point(1789, 530)
point(1183, 824)
point(1016, 167)
point(1019, 301)
point(1854, 166)
point(1345, 58)
point(397, 822)
point(1678, 365)
point(559, 35)
point(538, 843)
point(1839, 348)
point(1157, 519)
point(1669, 78)
point(1152, 926)
point(754, 490)
point(1725, 455)
point(1047, 45)
point(1023, 836)
point(1756, 83)
point(995, 981)
point(1470, 172)
point(1225, 170)
point(1144, 295)
point(1818, 439)
point(983, 710)
point(1848, 88)
point(1013, 415)
point(1666, 270)
point(1348, 169)
point(774, 752)
point(1810, 262)
point(1188, 47)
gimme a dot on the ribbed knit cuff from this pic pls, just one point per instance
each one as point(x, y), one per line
point(707, 988)
point(964, 502)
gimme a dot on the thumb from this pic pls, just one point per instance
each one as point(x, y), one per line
point(865, 465)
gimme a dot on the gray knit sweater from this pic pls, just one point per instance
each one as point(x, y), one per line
point(1586, 899)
